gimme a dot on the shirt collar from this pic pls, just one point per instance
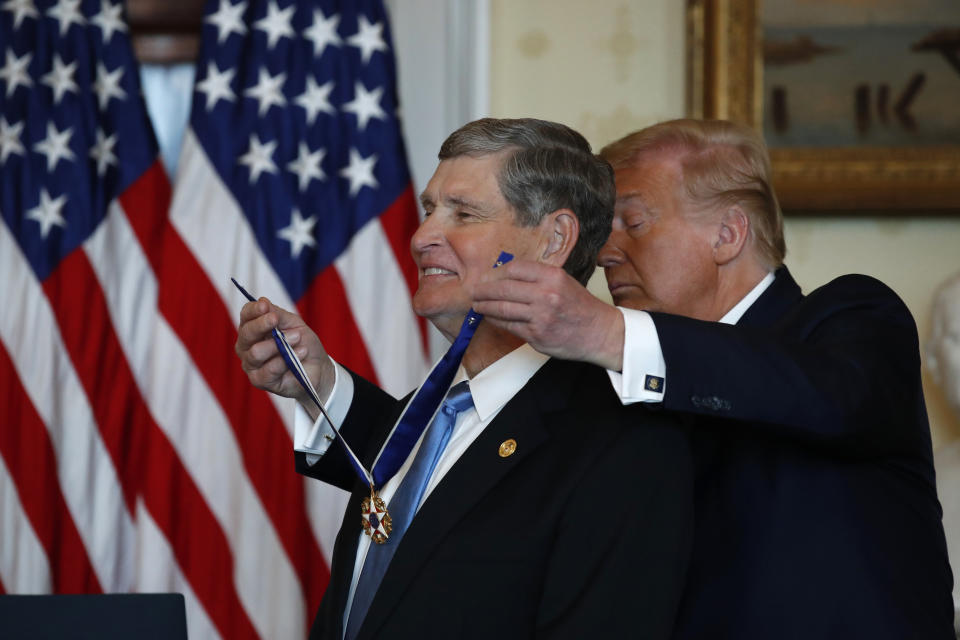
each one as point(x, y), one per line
point(499, 382)
point(733, 316)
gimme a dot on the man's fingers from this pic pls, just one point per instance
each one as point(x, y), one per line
point(525, 270)
point(251, 310)
point(517, 269)
point(259, 353)
point(255, 330)
point(508, 290)
point(256, 320)
point(285, 319)
point(503, 311)
point(275, 316)
point(268, 375)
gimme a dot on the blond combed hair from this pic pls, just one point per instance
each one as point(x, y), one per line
point(723, 164)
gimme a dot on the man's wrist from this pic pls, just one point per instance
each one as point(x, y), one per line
point(323, 384)
point(608, 353)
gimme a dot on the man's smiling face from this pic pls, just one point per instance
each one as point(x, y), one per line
point(468, 223)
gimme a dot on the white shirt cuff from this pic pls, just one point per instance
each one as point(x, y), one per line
point(314, 438)
point(644, 373)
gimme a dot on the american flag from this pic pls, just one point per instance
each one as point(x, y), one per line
point(134, 455)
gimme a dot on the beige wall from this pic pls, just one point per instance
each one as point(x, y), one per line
point(607, 67)
point(598, 66)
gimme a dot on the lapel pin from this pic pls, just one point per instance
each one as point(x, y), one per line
point(507, 447)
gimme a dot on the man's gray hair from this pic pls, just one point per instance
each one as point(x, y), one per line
point(551, 167)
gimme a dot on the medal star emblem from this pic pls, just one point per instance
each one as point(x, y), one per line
point(375, 519)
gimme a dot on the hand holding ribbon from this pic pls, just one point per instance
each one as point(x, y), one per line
point(418, 412)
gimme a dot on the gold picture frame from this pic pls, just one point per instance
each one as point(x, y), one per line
point(725, 80)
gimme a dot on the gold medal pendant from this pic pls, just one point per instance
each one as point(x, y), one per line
point(375, 519)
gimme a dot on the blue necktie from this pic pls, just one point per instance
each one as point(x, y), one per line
point(405, 501)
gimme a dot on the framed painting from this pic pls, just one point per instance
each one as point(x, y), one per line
point(859, 101)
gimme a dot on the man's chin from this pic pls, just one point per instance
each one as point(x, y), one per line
point(443, 318)
point(639, 303)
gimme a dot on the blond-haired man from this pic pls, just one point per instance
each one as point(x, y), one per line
point(816, 508)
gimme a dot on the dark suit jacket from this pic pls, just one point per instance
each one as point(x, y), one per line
point(585, 529)
point(817, 514)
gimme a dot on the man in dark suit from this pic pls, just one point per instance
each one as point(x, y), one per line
point(548, 512)
point(816, 508)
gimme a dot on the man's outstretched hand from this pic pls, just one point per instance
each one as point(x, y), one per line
point(262, 362)
point(549, 309)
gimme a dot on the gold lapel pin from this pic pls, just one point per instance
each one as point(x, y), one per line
point(507, 447)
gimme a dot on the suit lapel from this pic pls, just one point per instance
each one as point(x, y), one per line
point(477, 471)
point(343, 560)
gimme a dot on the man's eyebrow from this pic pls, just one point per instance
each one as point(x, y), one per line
point(631, 195)
point(635, 201)
point(453, 201)
point(632, 199)
point(463, 203)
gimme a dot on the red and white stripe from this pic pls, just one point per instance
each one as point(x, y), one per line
point(142, 458)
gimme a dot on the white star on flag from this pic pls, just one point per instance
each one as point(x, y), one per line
point(307, 165)
point(15, 71)
point(47, 213)
point(299, 233)
point(268, 90)
point(360, 172)
point(315, 98)
point(228, 19)
point(102, 152)
point(323, 32)
point(258, 157)
point(56, 146)
point(276, 24)
point(60, 79)
point(366, 105)
point(107, 85)
point(21, 9)
point(110, 20)
point(67, 13)
point(368, 38)
point(216, 86)
point(10, 139)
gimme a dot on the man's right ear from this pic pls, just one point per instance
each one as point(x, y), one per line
point(732, 234)
point(564, 229)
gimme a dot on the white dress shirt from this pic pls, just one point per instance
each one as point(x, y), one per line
point(643, 357)
point(491, 389)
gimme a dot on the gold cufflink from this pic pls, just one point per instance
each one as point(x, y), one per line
point(507, 447)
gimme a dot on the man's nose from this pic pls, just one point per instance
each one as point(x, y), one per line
point(611, 254)
point(426, 235)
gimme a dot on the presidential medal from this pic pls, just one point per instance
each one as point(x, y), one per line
point(375, 519)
